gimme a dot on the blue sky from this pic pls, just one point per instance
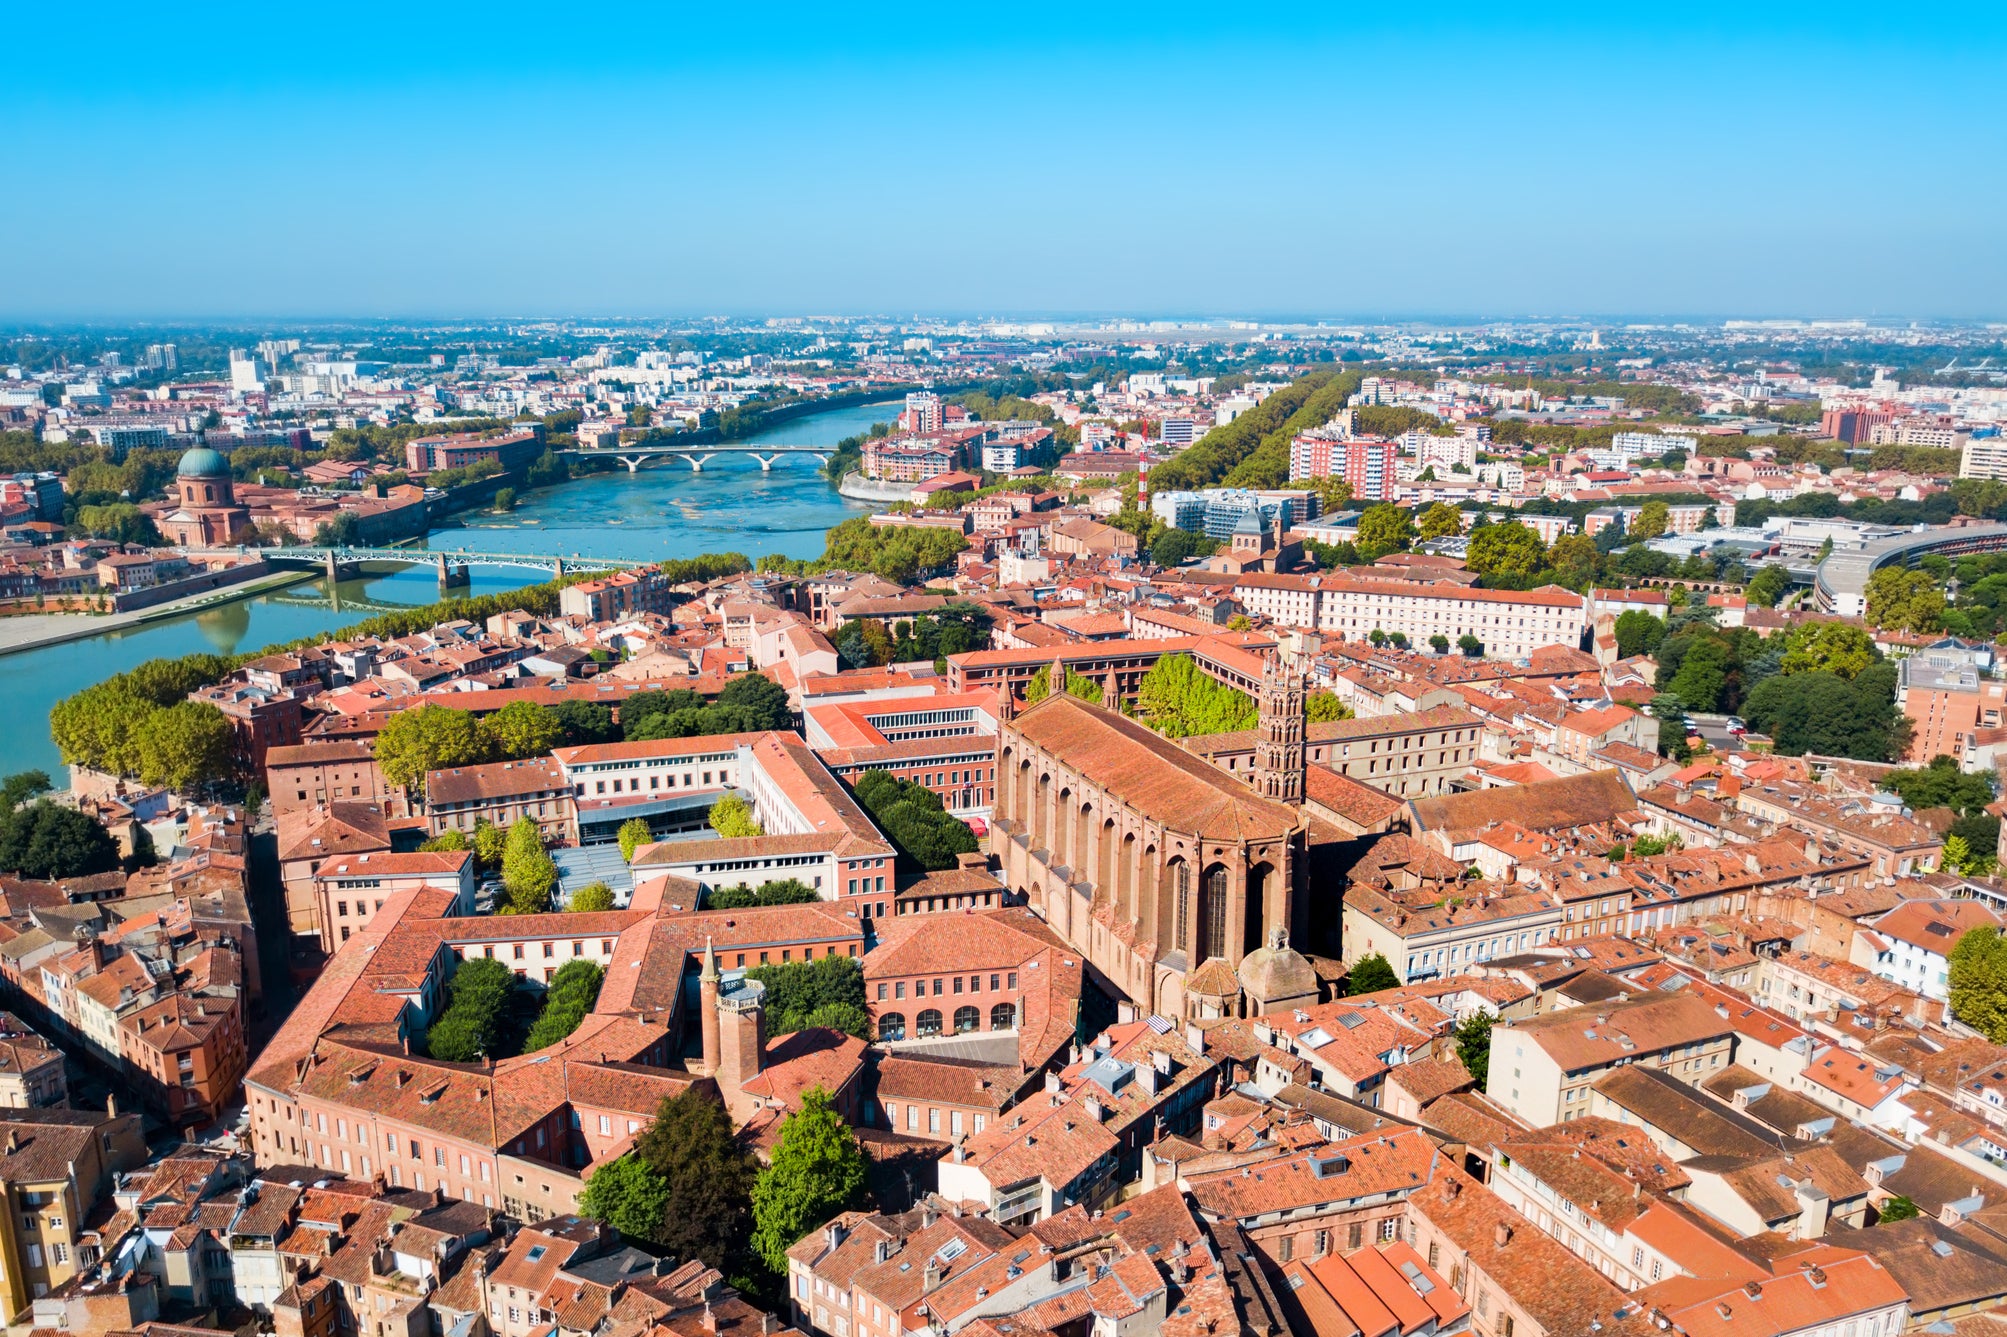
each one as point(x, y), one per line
point(369, 160)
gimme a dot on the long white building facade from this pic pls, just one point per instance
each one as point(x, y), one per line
point(1511, 623)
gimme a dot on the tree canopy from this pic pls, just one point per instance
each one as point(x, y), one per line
point(634, 833)
point(687, 1185)
point(828, 991)
point(1178, 700)
point(817, 1171)
point(477, 1013)
point(567, 998)
point(528, 871)
point(44, 840)
point(1978, 979)
point(1370, 974)
point(1507, 549)
point(911, 814)
point(732, 818)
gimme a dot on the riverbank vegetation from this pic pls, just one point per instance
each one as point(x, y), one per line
point(1253, 449)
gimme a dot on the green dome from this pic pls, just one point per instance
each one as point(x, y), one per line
point(202, 462)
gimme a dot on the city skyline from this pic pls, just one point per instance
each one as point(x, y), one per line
point(459, 165)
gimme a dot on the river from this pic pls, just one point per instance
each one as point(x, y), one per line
point(665, 511)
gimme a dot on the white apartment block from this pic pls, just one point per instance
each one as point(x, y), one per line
point(1984, 457)
point(1639, 445)
point(1511, 623)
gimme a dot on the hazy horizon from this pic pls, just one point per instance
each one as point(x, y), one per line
point(1023, 163)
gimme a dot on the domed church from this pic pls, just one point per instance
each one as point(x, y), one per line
point(206, 513)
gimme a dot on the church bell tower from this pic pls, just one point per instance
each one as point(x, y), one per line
point(1278, 750)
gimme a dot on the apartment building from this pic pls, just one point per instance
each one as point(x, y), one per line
point(1511, 624)
point(56, 1167)
point(500, 793)
point(1414, 753)
point(350, 889)
point(1542, 1068)
point(310, 775)
point(1367, 464)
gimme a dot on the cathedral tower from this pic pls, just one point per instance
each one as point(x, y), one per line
point(1278, 750)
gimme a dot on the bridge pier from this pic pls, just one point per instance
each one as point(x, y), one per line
point(633, 462)
point(560, 568)
point(451, 576)
point(697, 462)
point(766, 462)
point(820, 459)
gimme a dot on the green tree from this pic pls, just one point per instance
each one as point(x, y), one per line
point(1651, 520)
point(569, 996)
point(527, 870)
point(582, 722)
point(1471, 646)
point(1441, 521)
point(1321, 707)
point(490, 844)
point(627, 1195)
point(1825, 714)
point(1941, 784)
point(446, 842)
point(1076, 684)
point(1333, 494)
point(694, 1150)
point(1370, 974)
point(477, 1006)
point(828, 991)
point(1473, 1046)
point(21, 786)
point(185, 746)
point(732, 818)
point(634, 833)
point(521, 729)
point(1575, 561)
point(1510, 549)
point(1896, 1208)
point(760, 701)
point(42, 840)
point(591, 898)
point(1702, 675)
point(817, 1171)
point(1439, 643)
point(912, 815)
point(1638, 633)
point(1670, 712)
point(1978, 979)
point(1178, 700)
point(1384, 528)
point(1828, 647)
point(1903, 600)
point(430, 738)
point(1175, 546)
point(1767, 586)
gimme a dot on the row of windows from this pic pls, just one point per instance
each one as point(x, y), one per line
point(975, 985)
point(654, 782)
point(892, 1025)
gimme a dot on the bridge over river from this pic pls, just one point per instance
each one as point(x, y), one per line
point(337, 562)
point(767, 453)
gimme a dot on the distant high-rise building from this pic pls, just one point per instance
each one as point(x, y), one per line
point(1368, 465)
point(1179, 431)
point(248, 372)
point(162, 357)
point(923, 412)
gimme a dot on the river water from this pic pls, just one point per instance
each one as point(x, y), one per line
point(664, 511)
